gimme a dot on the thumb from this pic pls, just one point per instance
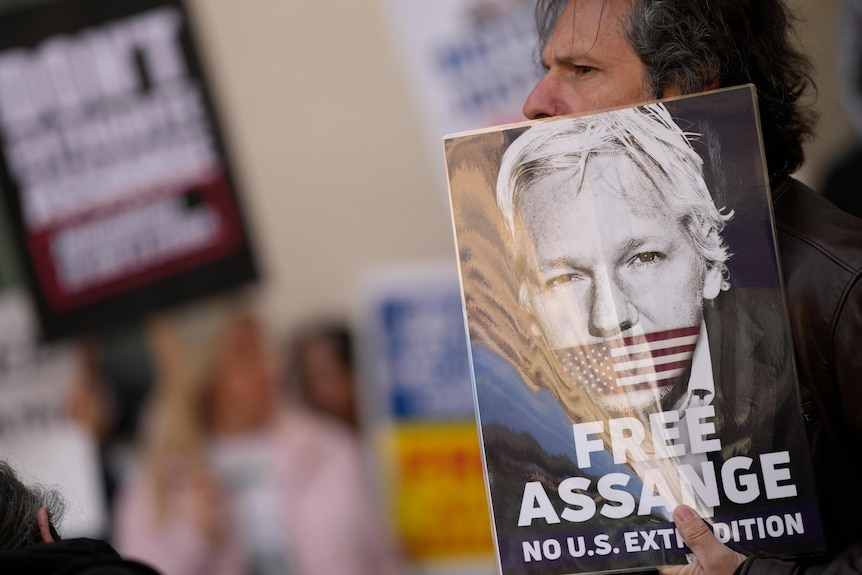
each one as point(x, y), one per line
point(697, 534)
point(712, 554)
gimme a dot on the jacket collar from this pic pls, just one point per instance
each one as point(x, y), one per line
point(778, 186)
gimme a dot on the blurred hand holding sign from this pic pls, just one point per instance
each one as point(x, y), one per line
point(112, 164)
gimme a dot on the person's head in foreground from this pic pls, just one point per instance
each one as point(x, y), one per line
point(617, 244)
point(28, 513)
point(608, 53)
point(29, 543)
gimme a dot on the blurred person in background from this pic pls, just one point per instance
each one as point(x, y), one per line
point(92, 405)
point(111, 385)
point(235, 480)
point(322, 368)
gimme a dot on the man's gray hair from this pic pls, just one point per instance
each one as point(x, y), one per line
point(696, 45)
point(647, 136)
point(18, 506)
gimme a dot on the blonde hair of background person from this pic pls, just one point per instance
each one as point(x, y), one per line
point(183, 514)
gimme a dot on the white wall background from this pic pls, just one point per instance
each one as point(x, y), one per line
point(327, 146)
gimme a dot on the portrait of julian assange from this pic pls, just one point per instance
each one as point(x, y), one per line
point(629, 343)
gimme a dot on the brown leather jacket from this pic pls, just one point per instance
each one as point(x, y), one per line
point(821, 258)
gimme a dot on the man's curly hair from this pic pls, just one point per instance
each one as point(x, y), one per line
point(697, 44)
point(18, 506)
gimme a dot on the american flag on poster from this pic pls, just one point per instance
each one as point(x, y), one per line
point(633, 362)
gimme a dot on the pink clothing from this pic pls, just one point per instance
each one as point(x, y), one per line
point(333, 527)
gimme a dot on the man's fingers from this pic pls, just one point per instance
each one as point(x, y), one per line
point(693, 529)
point(672, 569)
point(714, 557)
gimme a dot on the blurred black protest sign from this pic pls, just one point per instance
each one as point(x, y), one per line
point(113, 167)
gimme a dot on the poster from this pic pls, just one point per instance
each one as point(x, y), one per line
point(417, 410)
point(112, 163)
point(629, 337)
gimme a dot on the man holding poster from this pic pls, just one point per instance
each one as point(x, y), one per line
point(601, 53)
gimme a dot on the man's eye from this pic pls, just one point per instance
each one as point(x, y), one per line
point(581, 70)
point(560, 280)
point(648, 257)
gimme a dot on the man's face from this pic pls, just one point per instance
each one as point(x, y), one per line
point(589, 64)
point(611, 263)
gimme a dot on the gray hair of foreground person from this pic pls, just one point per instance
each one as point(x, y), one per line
point(695, 46)
point(27, 514)
point(650, 139)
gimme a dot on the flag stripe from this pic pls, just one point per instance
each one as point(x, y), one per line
point(641, 347)
point(661, 335)
point(649, 378)
point(657, 353)
point(650, 362)
point(648, 369)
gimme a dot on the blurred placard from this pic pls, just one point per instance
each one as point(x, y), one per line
point(469, 63)
point(112, 164)
point(417, 404)
point(37, 436)
point(413, 346)
point(440, 500)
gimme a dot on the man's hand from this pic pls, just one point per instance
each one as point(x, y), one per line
point(713, 557)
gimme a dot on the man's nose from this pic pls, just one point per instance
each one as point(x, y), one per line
point(543, 100)
point(611, 311)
